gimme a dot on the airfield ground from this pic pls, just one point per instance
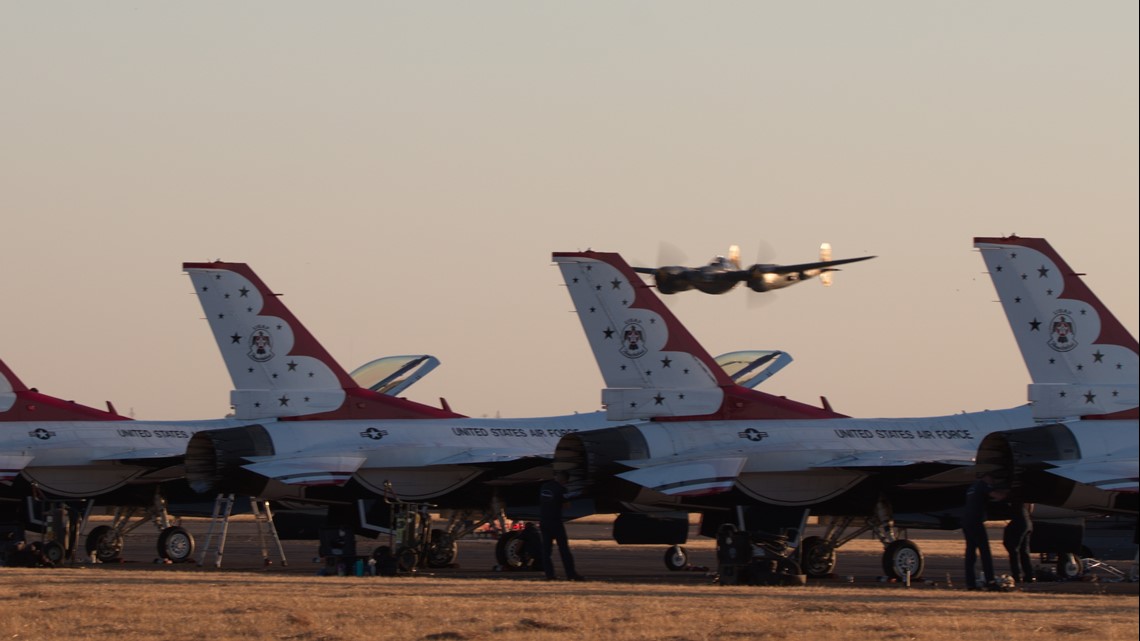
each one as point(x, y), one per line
point(630, 595)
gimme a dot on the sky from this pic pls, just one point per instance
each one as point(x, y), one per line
point(401, 172)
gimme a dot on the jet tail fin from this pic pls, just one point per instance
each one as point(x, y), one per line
point(1081, 359)
point(18, 402)
point(652, 365)
point(278, 368)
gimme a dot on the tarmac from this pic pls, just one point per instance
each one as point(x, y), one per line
point(598, 557)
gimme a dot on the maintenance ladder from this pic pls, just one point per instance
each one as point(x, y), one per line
point(220, 524)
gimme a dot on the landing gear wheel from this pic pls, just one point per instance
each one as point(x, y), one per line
point(1069, 566)
point(818, 557)
point(54, 552)
point(407, 559)
point(901, 557)
point(442, 550)
point(104, 544)
point(676, 558)
point(512, 552)
point(175, 544)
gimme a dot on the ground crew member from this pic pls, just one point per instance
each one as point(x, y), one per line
point(552, 495)
point(1016, 540)
point(974, 529)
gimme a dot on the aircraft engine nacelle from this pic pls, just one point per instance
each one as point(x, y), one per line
point(1024, 457)
point(214, 460)
point(671, 280)
point(591, 460)
point(765, 278)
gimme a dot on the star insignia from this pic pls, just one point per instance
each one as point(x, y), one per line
point(284, 400)
point(608, 332)
point(374, 433)
point(244, 292)
point(1034, 325)
point(1089, 397)
point(235, 338)
point(1042, 271)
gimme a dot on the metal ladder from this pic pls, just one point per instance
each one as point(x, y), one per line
point(220, 523)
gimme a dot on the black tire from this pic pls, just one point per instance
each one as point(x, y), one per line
point(407, 559)
point(676, 558)
point(175, 544)
point(1069, 566)
point(442, 550)
point(105, 544)
point(817, 556)
point(54, 552)
point(512, 554)
point(902, 556)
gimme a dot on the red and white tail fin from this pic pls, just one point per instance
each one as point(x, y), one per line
point(278, 368)
point(18, 402)
point(652, 365)
point(1082, 360)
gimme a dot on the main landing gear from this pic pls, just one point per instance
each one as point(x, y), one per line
point(902, 559)
point(104, 543)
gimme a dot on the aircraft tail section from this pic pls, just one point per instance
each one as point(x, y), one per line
point(652, 365)
point(1081, 359)
point(279, 369)
point(18, 402)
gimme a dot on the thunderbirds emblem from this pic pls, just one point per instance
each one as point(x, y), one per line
point(1062, 333)
point(633, 341)
point(260, 344)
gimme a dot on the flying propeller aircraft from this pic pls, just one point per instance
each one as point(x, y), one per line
point(723, 273)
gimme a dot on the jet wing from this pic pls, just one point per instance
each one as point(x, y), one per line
point(136, 457)
point(695, 477)
point(893, 459)
point(477, 456)
point(1115, 475)
point(11, 465)
point(312, 470)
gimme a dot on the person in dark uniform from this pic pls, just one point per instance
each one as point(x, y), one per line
point(974, 529)
point(551, 497)
point(1016, 540)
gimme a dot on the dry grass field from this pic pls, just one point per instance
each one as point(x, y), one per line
point(631, 599)
point(143, 605)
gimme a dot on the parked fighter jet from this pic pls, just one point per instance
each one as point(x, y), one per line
point(63, 451)
point(1083, 364)
point(723, 273)
point(744, 458)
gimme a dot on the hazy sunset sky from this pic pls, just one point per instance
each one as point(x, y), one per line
point(403, 171)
